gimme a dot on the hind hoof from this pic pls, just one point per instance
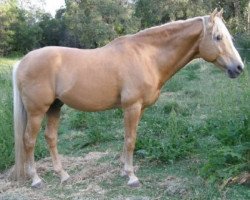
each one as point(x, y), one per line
point(134, 184)
point(37, 185)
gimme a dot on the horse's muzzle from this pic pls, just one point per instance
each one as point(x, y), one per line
point(234, 72)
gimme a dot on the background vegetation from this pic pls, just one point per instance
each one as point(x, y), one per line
point(93, 23)
point(202, 117)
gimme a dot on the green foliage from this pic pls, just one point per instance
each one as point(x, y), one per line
point(8, 17)
point(6, 128)
point(229, 154)
point(174, 84)
point(95, 23)
point(77, 120)
point(167, 140)
point(216, 127)
point(51, 30)
point(191, 72)
point(243, 40)
point(170, 107)
point(90, 128)
point(27, 32)
point(161, 11)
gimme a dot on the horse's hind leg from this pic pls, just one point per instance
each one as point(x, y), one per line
point(53, 116)
point(32, 129)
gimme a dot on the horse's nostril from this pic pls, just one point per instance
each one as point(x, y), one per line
point(240, 68)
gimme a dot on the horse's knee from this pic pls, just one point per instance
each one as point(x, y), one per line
point(130, 144)
point(51, 139)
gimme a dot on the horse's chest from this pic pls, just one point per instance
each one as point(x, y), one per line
point(151, 97)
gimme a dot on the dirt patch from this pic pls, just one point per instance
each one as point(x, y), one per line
point(69, 163)
point(86, 174)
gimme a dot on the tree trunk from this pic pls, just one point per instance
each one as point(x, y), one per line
point(237, 9)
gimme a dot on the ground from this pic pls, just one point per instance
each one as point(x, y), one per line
point(88, 175)
point(97, 176)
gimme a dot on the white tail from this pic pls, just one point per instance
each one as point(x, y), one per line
point(20, 122)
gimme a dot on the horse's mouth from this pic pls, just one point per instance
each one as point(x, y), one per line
point(233, 69)
point(233, 73)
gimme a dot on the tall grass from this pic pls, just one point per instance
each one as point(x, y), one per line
point(231, 130)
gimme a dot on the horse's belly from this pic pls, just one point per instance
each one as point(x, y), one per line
point(91, 99)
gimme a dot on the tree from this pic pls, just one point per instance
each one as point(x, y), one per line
point(27, 33)
point(93, 23)
point(162, 11)
point(8, 17)
point(51, 28)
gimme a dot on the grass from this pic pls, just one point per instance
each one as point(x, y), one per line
point(195, 137)
point(6, 128)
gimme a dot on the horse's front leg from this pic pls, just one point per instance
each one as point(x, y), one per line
point(53, 116)
point(132, 116)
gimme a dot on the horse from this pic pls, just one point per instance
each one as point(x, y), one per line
point(127, 73)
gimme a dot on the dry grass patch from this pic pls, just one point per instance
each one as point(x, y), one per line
point(86, 175)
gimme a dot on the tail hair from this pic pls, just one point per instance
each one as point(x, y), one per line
point(20, 122)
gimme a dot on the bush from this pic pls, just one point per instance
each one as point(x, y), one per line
point(231, 129)
point(243, 40)
point(232, 154)
point(166, 140)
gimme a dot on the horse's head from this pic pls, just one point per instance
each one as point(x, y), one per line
point(217, 47)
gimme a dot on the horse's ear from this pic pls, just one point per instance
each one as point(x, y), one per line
point(220, 14)
point(212, 16)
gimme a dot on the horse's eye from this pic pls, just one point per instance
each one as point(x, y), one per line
point(219, 37)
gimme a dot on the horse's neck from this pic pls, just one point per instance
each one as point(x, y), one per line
point(173, 45)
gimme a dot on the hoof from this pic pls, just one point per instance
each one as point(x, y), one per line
point(37, 185)
point(134, 184)
point(65, 177)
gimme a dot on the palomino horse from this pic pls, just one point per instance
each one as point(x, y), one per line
point(129, 73)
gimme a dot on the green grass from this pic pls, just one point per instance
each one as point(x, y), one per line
point(6, 128)
point(198, 131)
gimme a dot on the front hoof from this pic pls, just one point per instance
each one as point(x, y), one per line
point(134, 184)
point(37, 185)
